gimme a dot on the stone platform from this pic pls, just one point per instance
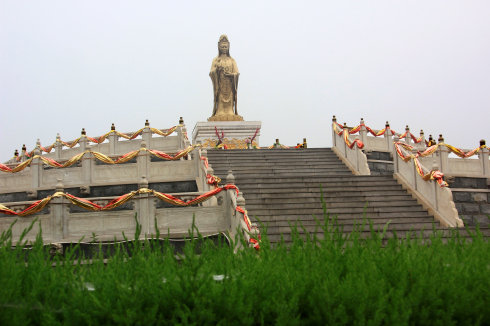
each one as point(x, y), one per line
point(235, 133)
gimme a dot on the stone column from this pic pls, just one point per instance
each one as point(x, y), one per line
point(483, 155)
point(36, 168)
point(88, 164)
point(113, 141)
point(58, 147)
point(59, 215)
point(443, 153)
point(146, 135)
point(144, 209)
point(407, 135)
point(363, 133)
point(388, 137)
point(396, 158)
point(143, 162)
point(421, 145)
point(334, 138)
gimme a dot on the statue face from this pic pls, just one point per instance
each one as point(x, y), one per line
point(223, 47)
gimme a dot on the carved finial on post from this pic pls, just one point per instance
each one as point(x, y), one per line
point(230, 178)
point(59, 185)
point(334, 119)
point(143, 182)
point(24, 148)
point(181, 121)
point(37, 150)
point(362, 122)
point(240, 201)
point(83, 133)
point(113, 127)
point(483, 142)
point(387, 124)
point(305, 144)
point(441, 139)
point(407, 129)
point(58, 138)
point(421, 133)
point(147, 123)
point(345, 125)
point(16, 153)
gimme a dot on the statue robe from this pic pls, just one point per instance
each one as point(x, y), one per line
point(224, 74)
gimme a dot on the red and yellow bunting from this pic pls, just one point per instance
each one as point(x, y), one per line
point(345, 133)
point(99, 156)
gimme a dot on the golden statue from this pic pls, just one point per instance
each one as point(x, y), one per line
point(224, 74)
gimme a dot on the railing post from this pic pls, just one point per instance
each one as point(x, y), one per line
point(363, 132)
point(407, 135)
point(112, 141)
point(334, 135)
point(396, 162)
point(146, 135)
point(443, 153)
point(87, 164)
point(36, 168)
point(143, 162)
point(483, 155)
point(143, 208)
point(388, 137)
point(421, 145)
point(59, 215)
point(58, 147)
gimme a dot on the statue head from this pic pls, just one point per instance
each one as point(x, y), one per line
point(224, 45)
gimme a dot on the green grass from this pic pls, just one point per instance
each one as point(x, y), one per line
point(332, 281)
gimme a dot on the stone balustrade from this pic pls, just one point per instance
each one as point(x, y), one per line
point(90, 172)
point(438, 200)
point(353, 158)
point(449, 164)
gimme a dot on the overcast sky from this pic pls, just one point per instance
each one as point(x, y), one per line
point(65, 65)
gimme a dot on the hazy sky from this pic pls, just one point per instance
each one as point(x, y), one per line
point(65, 65)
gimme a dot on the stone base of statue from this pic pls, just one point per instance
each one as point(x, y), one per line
point(234, 117)
point(232, 134)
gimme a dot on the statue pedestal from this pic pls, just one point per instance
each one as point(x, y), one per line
point(235, 133)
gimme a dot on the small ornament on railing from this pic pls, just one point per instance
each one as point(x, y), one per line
point(16, 153)
point(483, 143)
point(441, 139)
point(113, 127)
point(147, 123)
point(181, 121)
point(387, 125)
point(334, 119)
point(230, 178)
point(83, 133)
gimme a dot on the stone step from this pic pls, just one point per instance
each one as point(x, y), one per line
point(344, 221)
point(349, 215)
point(295, 202)
point(282, 187)
point(401, 234)
point(316, 197)
point(310, 187)
point(300, 181)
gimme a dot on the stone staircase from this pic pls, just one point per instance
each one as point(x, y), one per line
point(284, 186)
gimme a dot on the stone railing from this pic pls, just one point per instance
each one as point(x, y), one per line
point(476, 166)
point(89, 173)
point(62, 221)
point(353, 157)
point(436, 199)
point(115, 145)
